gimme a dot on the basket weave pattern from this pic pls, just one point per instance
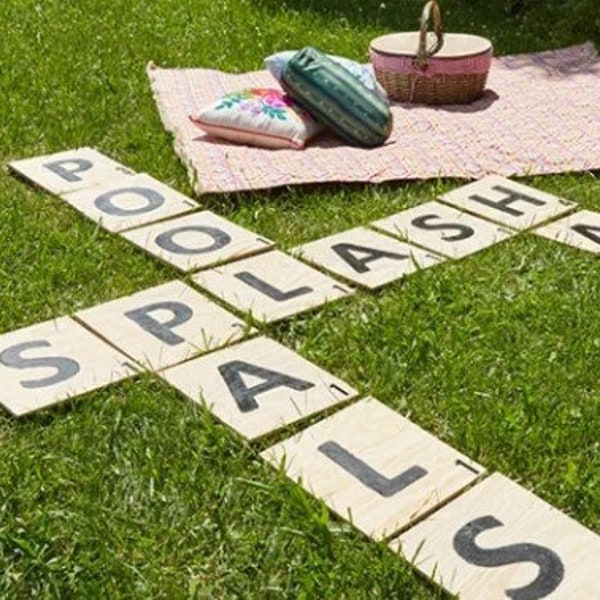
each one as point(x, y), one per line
point(445, 81)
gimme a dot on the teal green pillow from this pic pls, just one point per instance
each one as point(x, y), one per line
point(336, 98)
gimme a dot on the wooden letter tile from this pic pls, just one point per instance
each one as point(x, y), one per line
point(500, 541)
point(71, 170)
point(164, 325)
point(197, 241)
point(52, 361)
point(443, 229)
point(581, 230)
point(365, 257)
point(271, 286)
point(508, 202)
point(258, 386)
point(138, 201)
point(371, 465)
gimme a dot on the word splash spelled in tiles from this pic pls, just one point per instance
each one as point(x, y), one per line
point(474, 535)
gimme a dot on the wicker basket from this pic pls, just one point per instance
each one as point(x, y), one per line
point(452, 70)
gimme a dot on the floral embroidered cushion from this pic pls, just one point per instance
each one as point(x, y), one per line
point(258, 117)
point(364, 73)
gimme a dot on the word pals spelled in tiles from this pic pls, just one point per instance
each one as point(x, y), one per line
point(365, 257)
point(164, 325)
point(500, 541)
point(71, 170)
point(271, 286)
point(443, 229)
point(508, 202)
point(197, 241)
point(370, 464)
point(139, 200)
point(50, 362)
point(581, 230)
point(258, 386)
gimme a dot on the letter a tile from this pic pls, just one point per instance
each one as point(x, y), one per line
point(197, 241)
point(580, 230)
point(374, 467)
point(507, 202)
point(443, 229)
point(138, 201)
point(71, 170)
point(271, 286)
point(258, 386)
point(365, 257)
point(164, 325)
point(52, 361)
point(500, 541)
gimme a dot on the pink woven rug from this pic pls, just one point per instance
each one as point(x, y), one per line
point(540, 114)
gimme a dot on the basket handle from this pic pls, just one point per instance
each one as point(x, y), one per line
point(432, 8)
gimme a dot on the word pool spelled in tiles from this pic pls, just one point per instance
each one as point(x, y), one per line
point(375, 467)
point(365, 257)
point(507, 202)
point(197, 241)
point(580, 230)
point(122, 205)
point(71, 170)
point(258, 386)
point(443, 229)
point(271, 286)
point(164, 325)
point(500, 541)
point(50, 362)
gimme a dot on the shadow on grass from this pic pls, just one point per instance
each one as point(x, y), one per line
point(525, 26)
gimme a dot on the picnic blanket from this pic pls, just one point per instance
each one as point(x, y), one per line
point(540, 114)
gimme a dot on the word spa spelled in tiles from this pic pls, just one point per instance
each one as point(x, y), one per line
point(368, 464)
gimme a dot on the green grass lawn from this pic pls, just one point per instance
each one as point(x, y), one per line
point(135, 492)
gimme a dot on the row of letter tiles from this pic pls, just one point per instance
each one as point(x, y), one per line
point(144, 211)
point(376, 469)
point(358, 461)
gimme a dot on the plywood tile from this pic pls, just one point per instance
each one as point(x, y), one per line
point(271, 286)
point(52, 361)
point(499, 540)
point(71, 170)
point(197, 241)
point(366, 257)
point(443, 229)
point(138, 201)
point(373, 466)
point(258, 386)
point(580, 230)
point(507, 202)
point(164, 325)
